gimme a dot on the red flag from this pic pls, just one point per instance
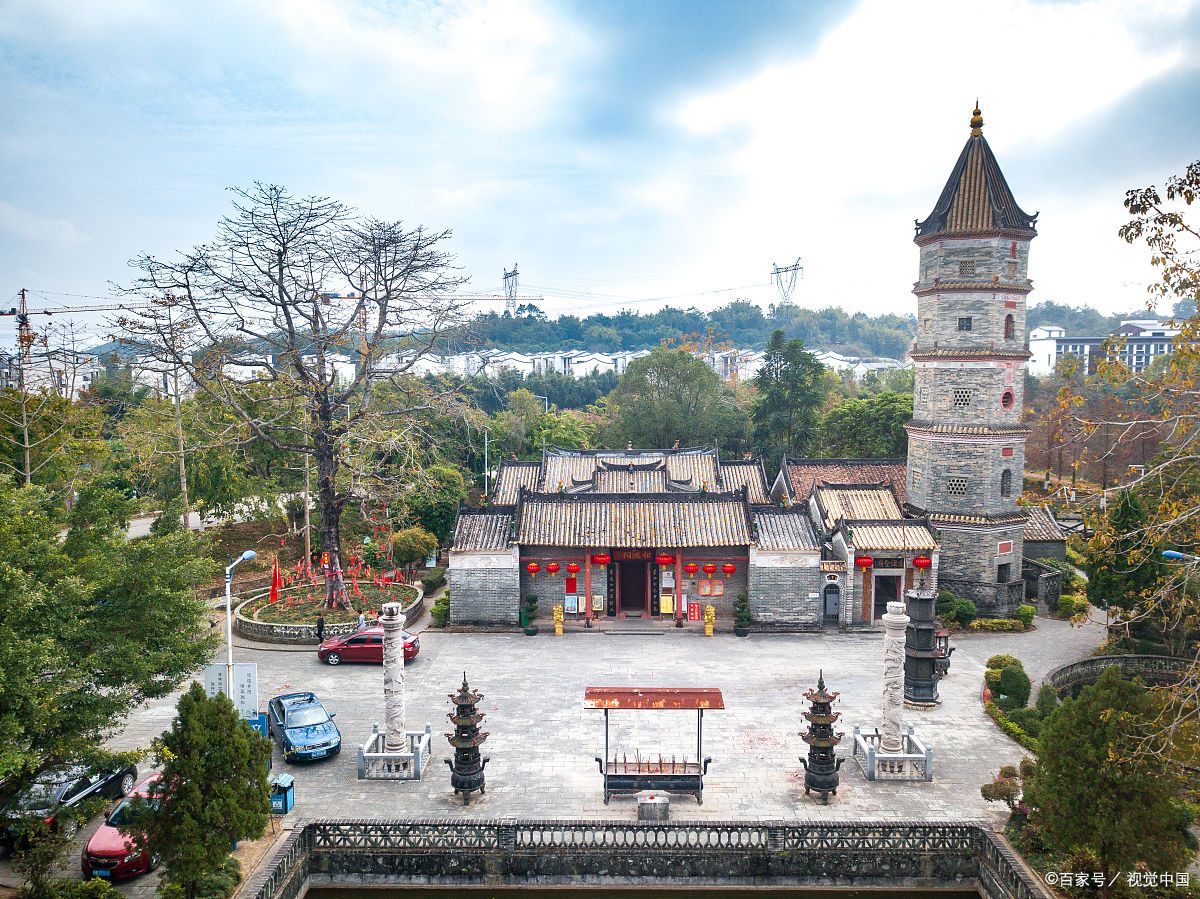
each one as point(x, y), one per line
point(276, 581)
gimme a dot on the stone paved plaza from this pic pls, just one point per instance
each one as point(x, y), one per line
point(543, 741)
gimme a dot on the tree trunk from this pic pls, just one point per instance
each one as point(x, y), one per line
point(325, 457)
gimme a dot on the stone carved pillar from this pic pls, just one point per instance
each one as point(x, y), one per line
point(393, 677)
point(895, 624)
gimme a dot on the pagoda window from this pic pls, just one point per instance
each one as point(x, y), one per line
point(1006, 482)
point(956, 486)
point(964, 323)
point(966, 268)
point(1010, 327)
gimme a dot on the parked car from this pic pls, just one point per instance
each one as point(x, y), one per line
point(364, 646)
point(54, 795)
point(302, 727)
point(111, 854)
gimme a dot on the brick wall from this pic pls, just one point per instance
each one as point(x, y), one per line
point(968, 562)
point(932, 462)
point(484, 588)
point(780, 596)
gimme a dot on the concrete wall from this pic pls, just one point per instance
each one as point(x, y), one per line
point(785, 590)
point(484, 588)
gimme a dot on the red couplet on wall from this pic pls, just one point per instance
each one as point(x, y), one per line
point(570, 584)
point(693, 611)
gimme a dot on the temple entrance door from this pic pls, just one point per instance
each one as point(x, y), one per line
point(833, 603)
point(887, 589)
point(632, 582)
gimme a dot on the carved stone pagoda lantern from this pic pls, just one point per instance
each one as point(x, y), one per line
point(466, 771)
point(821, 766)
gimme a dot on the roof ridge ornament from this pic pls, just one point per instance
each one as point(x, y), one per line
point(976, 121)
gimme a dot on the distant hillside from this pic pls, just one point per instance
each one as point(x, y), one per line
point(740, 323)
point(1079, 321)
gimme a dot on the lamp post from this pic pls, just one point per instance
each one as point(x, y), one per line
point(244, 557)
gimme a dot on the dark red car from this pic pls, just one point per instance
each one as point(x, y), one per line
point(364, 646)
point(112, 855)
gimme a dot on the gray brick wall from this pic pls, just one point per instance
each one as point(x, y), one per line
point(968, 564)
point(779, 597)
point(483, 596)
point(931, 463)
point(934, 384)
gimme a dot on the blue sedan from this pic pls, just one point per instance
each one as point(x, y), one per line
point(302, 727)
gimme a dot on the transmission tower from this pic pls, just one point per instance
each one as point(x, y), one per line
point(510, 290)
point(785, 279)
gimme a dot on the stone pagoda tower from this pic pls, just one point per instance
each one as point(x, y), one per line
point(966, 442)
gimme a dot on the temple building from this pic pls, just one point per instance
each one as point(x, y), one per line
point(658, 534)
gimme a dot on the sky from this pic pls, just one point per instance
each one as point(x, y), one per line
point(625, 154)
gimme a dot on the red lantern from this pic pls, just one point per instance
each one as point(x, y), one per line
point(572, 568)
point(552, 568)
point(533, 568)
point(864, 561)
point(922, 562)
point(664, 559)
point(729, 568)
point(601, 559)
point(710, 569)
point(691, 567)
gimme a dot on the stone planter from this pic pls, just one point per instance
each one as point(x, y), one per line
point(741, 631)
point(302, 634)
point(531, 630)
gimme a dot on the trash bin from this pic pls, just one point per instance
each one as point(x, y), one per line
point(283, 794)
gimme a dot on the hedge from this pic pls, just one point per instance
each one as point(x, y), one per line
point(432, 579)
point(1069, 606)
point(996, 624)
point(1013, 730)
point(1004, 660)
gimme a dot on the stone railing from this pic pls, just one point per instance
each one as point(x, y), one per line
point(1067, 680)
point(864, 854)
point(273, 632)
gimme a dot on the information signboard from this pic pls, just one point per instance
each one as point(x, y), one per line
point(245, 686)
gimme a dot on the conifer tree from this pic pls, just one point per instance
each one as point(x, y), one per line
point(213, 791)
point(1123, 567)
point(1096, 788)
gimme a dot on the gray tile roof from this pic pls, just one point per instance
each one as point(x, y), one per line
point(1041, 526)
point(482, 530)
point(662, 520)
point(784, 530)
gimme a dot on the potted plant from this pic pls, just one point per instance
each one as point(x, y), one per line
point(531, 607)
point(741, 615)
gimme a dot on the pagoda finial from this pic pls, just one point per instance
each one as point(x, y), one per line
point(821, 680)
point(976, 120)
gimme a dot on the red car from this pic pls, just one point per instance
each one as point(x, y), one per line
point(111, 854)
point(364, 646)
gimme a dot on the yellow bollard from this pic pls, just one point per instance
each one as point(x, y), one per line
point(710, 618)
point(558, 620)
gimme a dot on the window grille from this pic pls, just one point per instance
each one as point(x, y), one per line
point(966, 268)
point(962, 397)
point(964, 324)
point(956, 486)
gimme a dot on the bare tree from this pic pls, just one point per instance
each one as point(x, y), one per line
point(305, 298)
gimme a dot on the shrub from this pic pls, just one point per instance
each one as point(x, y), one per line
point(991, 677)
point(1075, 557)
point(1004, 660)
point(1029, 720)
point(1071, 605)
point(1013, 730)
point(1014, 684)
point(741, 610)
point(997, 624)
point(1071, 581)
point(965, 611)
point(433, 579)
point(1024, 614)
point(440, 613)
point(945, 603)
point(1047, 700)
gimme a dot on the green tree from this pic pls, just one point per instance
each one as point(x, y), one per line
point(790, 393)
point(1123, 567)
point(866, 428)
point(1096, 789)
point(435, 500)
point(671, 396)
point(91, 628)
point(213, 791)
point(413, 545)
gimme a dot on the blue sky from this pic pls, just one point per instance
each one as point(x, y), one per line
point(620, 152)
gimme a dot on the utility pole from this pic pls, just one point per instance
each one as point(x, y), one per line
point(510, 290)
point(487, 487)
point(24, 346)
point(785, 279)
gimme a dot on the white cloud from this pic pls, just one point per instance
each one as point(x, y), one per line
point(20, 224)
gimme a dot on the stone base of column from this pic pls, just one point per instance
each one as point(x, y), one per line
point(914, 761)
point(376, 762)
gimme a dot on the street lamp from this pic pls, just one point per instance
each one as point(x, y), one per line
point(1176, 556)
point(244, 557)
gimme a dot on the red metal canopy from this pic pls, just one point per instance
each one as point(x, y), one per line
point(652, 698)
